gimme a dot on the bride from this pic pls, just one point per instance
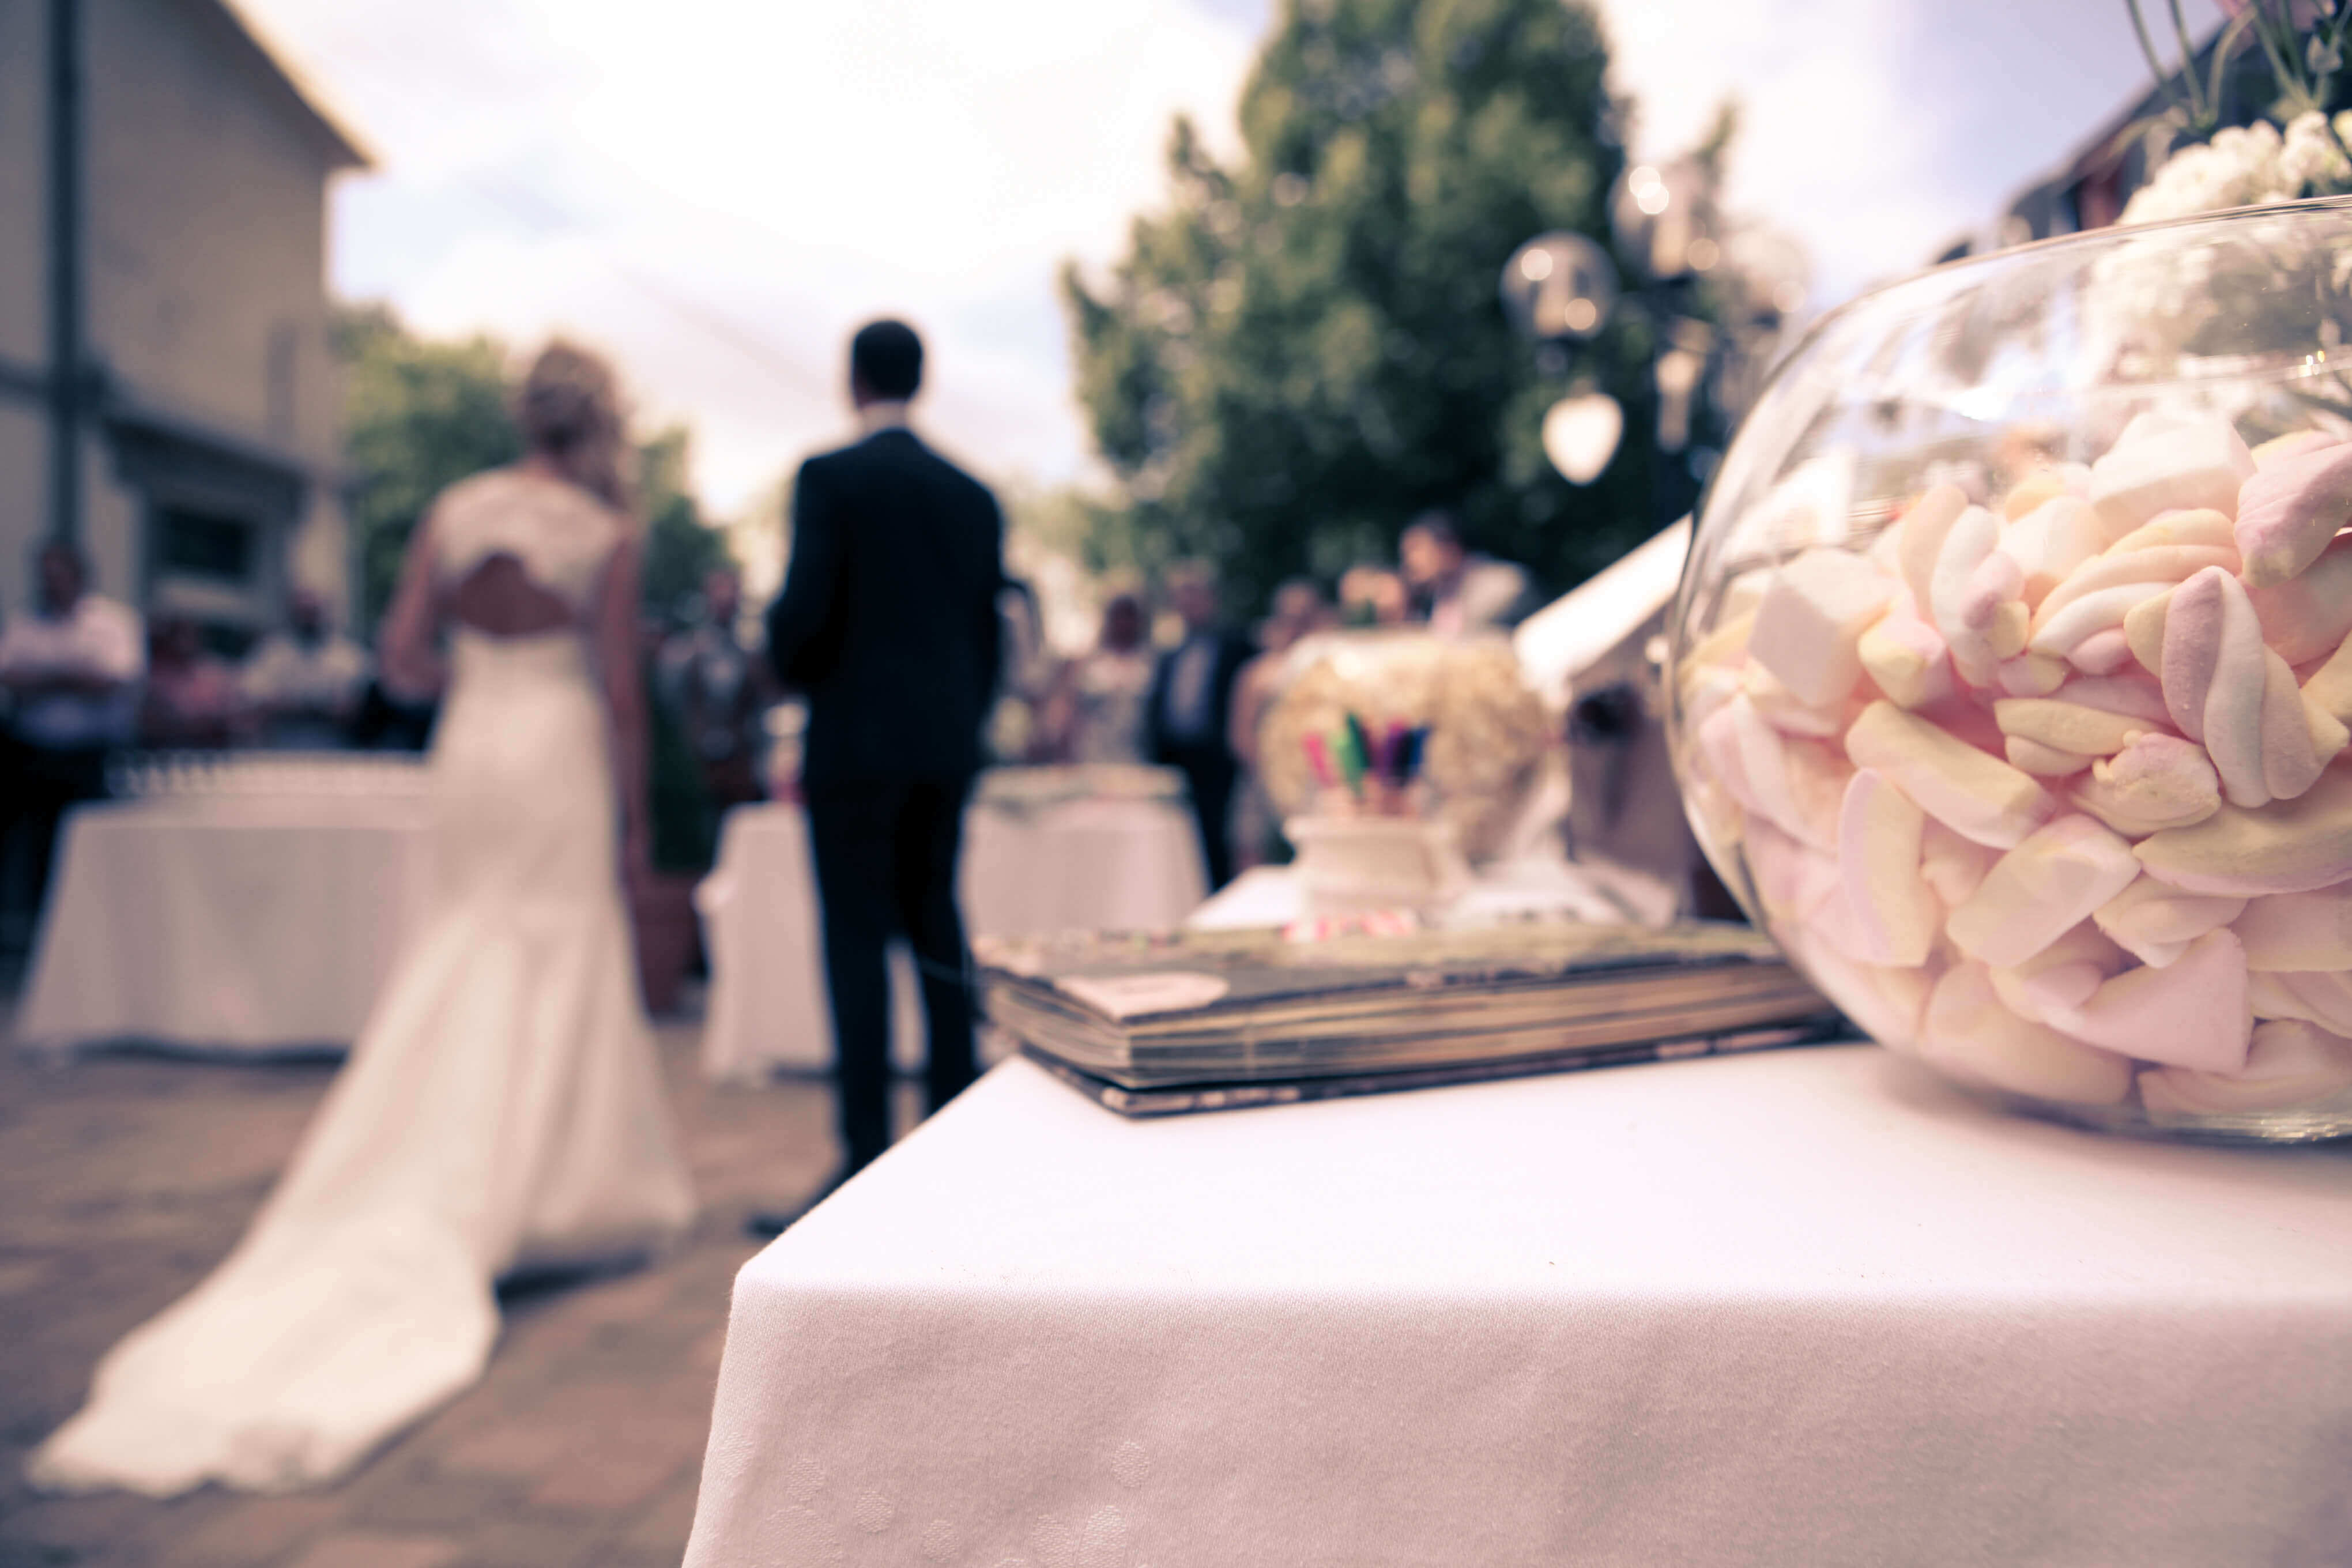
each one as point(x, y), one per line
point(502, 1109)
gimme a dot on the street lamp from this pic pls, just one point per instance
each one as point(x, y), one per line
point(1558, 290)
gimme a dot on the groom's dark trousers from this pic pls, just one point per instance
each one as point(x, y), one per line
point(888, 622)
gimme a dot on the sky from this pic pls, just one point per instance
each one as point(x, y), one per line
point(718, 191)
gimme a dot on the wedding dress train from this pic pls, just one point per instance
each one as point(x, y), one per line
point(502, 1109)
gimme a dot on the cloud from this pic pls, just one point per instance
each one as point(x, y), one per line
point(719, 193)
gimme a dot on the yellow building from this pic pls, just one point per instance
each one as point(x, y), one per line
point(168, 390)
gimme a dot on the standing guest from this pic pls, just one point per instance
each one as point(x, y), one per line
point(1298, 613)
point(304, 683)
point(192, 701)
point(1099, 706)
point(1189, 716)
point(71, 671)
point(712, 687)
point(1457, 592)
point(888, 622)
point(1373, 596)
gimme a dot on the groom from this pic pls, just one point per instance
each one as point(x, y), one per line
point(888, 623)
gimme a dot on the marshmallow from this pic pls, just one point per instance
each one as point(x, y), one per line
point(2308, 616)
point(2063, 975)
point(2031, 675)
point(2329, 688)
point(1789, 713)
point(2144, 631)
point(2289, 1063)
point(1966, 1031)
point(1796, 784)
point(2194, 1013)
point(1727, 645)
point(2034, 491)
point(1791, 881)
point(2288, 512)
point(1952, 866)
point(2157, 782)
point(1814, 610)
point(2163, 464)
point(2101, 653)
point(2223, 686)
point(2075, 727)
point(2156, 924)
point(1979, 796)
point(2321, 996)
point(2279, 449)
point(1895, 912)
point(2293, 847)
point(2049, 883)
point(2051, 541)
point(1919, 538)
point(2203, 529)
point(1904, 657)
point(2041, 760)
point(2130, 694)
point(1973, 596)
point(2298, 930)
point(1886, 1004)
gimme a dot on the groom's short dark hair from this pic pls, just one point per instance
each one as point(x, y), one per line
point(889, 358)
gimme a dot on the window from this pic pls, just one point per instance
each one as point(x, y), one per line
point(204, 544)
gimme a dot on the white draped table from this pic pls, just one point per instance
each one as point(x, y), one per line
point(225, 922)
point(1802, 1307)
point(1131, 864)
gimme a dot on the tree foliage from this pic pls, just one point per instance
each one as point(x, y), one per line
point(1304, 348)
point(421, 414)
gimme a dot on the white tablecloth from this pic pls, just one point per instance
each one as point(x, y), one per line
point(1800, 1307)
point(227, 922)
point(1130, 865)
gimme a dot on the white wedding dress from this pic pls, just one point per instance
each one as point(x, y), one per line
point(502, 1109)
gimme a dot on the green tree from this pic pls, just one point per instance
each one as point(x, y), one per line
point(419, 416)
point(1303, 350)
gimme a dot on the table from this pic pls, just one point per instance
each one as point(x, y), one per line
point(1805, 1306)
point(228, 922)
point(1116, 864)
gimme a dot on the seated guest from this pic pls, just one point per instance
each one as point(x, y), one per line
point(1097, 710)
point(1457, 592)
point(71, 671)
point(192, 700)
point(304, 683)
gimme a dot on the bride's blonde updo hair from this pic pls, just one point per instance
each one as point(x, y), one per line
point(569, 408)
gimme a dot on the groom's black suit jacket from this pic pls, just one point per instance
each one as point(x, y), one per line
point(888, 618)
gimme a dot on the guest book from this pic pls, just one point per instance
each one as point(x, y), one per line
point(1162, 1022)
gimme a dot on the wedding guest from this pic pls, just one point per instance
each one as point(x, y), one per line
point(304, 683)
point(71, 670)
point(1021, 725)
point(1373, 596)
point(713, 688)
point(889, 623)
point(192, 701)
point(1189, 716)
point(1455, 592)
point(1299, 612)
point(1098, 713)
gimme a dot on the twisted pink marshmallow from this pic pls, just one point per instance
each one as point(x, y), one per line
point(2224, 687)
point(1904, 657)
point(2309, 616)
point(2194, 1013)
point(2097, 598)
point(1885, 1002)
point(1792, 882)
point(2289, 1063)
point(1975, 596)
point(1919, 539)
point(1894, 912)
point(1966, 1031)
point(2156, 924)
point(2160, 463)
point(1978, 796)
point(2048, 884)
point(2329, 688)
point(2154, 782)
point(2321, 996)
point(2298, 930)
point(2055, 738)
point(2288, 512)
point(1953, 867)
point(2279, 449)
point(2294, 847)
point(2051, 541)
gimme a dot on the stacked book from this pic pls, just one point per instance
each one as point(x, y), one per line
point(1151, 1024)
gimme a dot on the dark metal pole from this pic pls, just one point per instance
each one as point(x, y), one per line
point(66, 294)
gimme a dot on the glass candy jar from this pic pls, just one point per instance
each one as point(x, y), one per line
point(2009, 672)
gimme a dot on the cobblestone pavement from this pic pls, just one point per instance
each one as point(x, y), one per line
point(124, 1179)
